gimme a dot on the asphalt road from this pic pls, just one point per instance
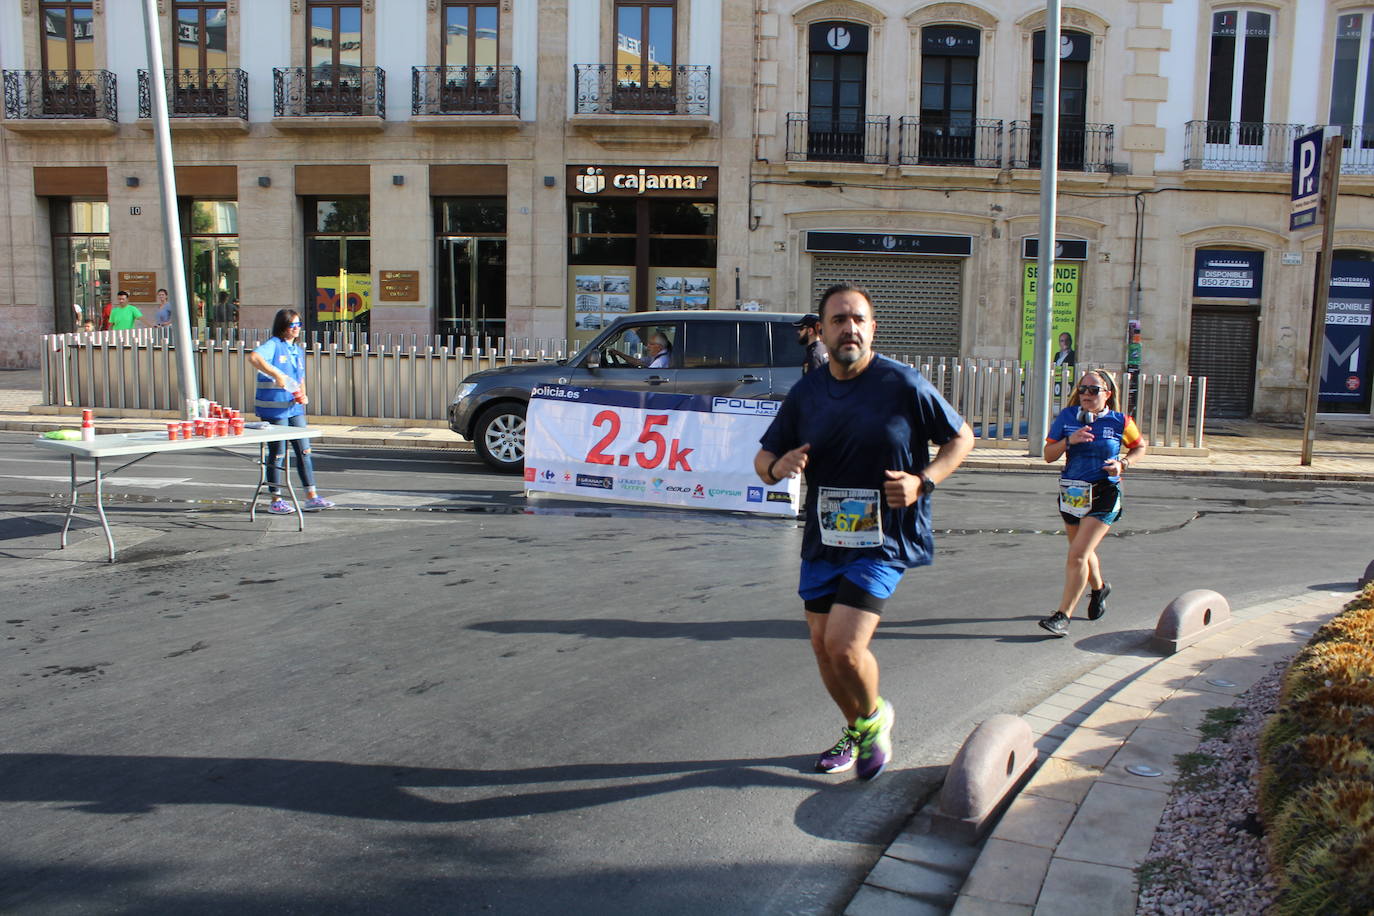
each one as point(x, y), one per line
point(444, 699)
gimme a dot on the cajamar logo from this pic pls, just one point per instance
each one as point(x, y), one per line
point(592, 182)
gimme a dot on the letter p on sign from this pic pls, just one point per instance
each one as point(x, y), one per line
point(1307, 157)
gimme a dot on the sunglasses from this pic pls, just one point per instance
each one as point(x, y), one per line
point(1091, 389)
point(294, 324)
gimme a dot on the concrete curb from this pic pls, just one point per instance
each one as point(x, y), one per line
point(1071, 840)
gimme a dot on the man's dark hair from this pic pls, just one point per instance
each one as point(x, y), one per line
point(284, 317)
point(841, 288)
point(163, 290)
point(121, 293)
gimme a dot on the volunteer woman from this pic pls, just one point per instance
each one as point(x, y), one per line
point(280, 400)
point(1093, 433)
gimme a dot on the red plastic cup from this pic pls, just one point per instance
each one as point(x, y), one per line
point(221, 427)
point(236, 425)
point(173, 431)
point(188, 429)
point(200, 427)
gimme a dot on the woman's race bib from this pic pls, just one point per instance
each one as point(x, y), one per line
point(1075, 497)
point(850, 517)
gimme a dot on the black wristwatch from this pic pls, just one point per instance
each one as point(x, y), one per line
point(927, 485)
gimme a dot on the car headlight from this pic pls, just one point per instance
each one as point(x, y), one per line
point(464, 390)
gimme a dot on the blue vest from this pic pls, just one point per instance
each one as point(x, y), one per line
point(269, 401)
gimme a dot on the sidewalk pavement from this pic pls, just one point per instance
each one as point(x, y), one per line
point(1072, 838)
point(1343, 450)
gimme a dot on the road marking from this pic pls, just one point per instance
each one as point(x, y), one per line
point(154, 483)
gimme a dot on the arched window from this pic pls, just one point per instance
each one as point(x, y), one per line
point(949, 94)
point(837, 81)
point(1238, 77)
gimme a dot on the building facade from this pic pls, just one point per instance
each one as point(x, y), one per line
point(529, 170)
point(898, 145)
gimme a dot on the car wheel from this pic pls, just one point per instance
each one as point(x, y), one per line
point(500, 437)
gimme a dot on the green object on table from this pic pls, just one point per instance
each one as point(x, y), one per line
point(69, 435)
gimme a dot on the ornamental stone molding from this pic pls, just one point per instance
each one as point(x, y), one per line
point(952, 12)
point(1257, 238)
point(1079, 19)
point(855, 12)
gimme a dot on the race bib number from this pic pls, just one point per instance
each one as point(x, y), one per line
point(1075, 497)
point(850, 517)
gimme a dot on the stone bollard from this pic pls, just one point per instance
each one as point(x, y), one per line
point(995, 758)
point(1368, 576)
point(1188, 618)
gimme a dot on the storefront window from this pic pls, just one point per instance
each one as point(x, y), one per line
point(338, 262)
point(470, 267)
point(81, 262)
point(212, 251)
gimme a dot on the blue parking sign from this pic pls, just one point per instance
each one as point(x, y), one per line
point(1307, 169)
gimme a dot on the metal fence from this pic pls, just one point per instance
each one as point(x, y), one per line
point(413, 377)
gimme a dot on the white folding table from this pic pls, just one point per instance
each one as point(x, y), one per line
point(146, 445)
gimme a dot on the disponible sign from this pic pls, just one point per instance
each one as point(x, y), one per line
point(682, 450)
point(1225, 274)
point(1346, 343)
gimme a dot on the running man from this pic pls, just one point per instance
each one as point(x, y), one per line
point(860, 430)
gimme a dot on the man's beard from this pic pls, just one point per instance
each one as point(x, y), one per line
point(845, 356)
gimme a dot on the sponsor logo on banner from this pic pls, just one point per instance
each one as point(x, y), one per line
point(698, 492)
point(632, 485)
point(567, 476)
point(530, 474)
point(595, 482)
point(755, 495)
point(716, 491)
point(745, 406)
point(549, 475)
point(671, 488)
point(775, 497)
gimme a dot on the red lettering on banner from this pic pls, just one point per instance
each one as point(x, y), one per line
point(678, 456)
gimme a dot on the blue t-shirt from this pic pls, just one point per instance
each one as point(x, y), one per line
point(1111, 432)
point(883, 420)
point(270, 401)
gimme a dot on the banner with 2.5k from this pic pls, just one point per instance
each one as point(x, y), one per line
point(666, 449)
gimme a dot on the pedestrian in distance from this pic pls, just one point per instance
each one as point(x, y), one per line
point(280, 399)
point(860, 430)
point(809, 336)
point(163, 318)
point(123, 316)
point(1093, 433)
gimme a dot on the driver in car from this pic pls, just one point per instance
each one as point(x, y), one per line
point(659, 356)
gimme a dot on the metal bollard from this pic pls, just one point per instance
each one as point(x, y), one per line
point(1188, 618)
point(995, 758)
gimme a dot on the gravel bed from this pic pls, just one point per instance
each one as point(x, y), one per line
point(1208, 854)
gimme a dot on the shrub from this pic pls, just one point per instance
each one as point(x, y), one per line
point(1317, 813)
point(1308, 760)
point(1341, 709)
point(1327, 663)
point(1332, 877)
point(1355, 625)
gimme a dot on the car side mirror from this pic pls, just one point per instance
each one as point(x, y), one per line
point(594, 359)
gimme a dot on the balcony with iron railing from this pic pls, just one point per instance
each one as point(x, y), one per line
point(1239, 146)
point(858, 140)
point(327, 96)
point(1083, 147)
point(215, 94)
point(61, 99)
point(465, 90)
point(653, 104)
point(656, 89)
point(951, 142)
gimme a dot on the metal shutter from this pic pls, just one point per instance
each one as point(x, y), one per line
point(916, 301)
point(1223, 348)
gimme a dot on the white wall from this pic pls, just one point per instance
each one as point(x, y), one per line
point(264, 43)
point(525, 55)
point(703, 45)
point(1304, 90)
point(400, 46)
point(126, 52)
point(11, 41)
point(1180, 64)
point(584, 44)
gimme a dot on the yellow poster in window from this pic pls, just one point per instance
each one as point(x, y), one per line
point(342, 297)
point(1063, 307)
